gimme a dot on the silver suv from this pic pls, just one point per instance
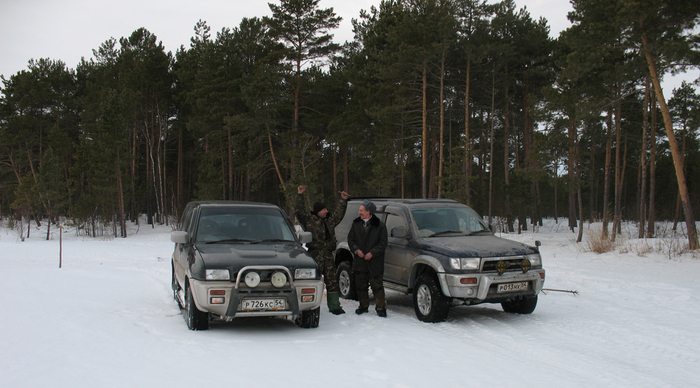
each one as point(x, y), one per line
point(243, 259)
point(443, 253)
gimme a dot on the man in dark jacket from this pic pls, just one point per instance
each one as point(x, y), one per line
point(368, 241)
point(322, 225)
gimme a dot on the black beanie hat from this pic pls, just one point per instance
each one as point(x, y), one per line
point(318, 206)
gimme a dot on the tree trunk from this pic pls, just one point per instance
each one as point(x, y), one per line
point(424, 153)
point(618, 168)
point(643, 162)
point(442, 123)
point(651, 230)
point(506, 161)
point(572, 173)
point(606, 184)
point(592, 184)
point(492, 117)
point(467, 138)
point(693, 243)
point(274, 160)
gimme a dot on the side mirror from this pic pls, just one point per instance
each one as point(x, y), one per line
point(179, 237)
point(305, 237)
point(399, 232)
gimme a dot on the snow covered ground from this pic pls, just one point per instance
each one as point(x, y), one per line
point(107, 319)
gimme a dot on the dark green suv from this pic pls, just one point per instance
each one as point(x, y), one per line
point(243, 259)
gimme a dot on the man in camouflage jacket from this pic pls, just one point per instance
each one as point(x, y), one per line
point(322, 225)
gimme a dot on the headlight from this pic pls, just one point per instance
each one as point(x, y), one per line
point(535, 260)
point(470, 263)
point(305, 273)
point(278, 279)
point(217, 274)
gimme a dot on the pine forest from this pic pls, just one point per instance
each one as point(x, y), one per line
point(454, 99)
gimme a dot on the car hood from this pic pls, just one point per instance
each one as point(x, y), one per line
point(475, 246)
point(237, 256)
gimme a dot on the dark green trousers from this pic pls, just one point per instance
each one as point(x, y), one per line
point(363, 280)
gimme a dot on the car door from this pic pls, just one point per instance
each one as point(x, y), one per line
point(397, 258)
point(182, 251)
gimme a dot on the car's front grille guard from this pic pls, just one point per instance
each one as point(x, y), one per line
point(243, 270)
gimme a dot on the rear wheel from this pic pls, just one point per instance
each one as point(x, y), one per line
point(428, 301)
point(346, 282)
point(196, 320)
point(520, 305)
point(309, 319)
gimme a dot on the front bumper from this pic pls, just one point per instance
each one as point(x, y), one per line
point(223, 298)
point(485, 288)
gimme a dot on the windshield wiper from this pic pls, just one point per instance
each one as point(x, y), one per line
point(451, 231)
point(231, 240)
point(272, 240)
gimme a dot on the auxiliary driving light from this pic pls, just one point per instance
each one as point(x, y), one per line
point(278, 279)
point(526, 265)
point(501, 267)
point(252, 279)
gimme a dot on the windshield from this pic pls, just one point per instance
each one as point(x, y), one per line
point(242, 225)
point(447, 221)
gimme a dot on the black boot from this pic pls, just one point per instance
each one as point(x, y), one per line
point(382, 312)
point(361, 310)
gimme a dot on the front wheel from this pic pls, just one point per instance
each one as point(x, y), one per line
point(196, 319)
point(309, 319)
point(428, 301)
point(346, 282)
point(520, 305)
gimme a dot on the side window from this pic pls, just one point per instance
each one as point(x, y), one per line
point(188, 224)
point(186, 219)
point(392, 221)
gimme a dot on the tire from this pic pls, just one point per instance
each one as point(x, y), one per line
point(309, 319)
point(196, 320)
point(428, 301)
point(346, 282)
point(520, 305)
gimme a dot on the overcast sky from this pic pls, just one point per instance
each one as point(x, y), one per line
point(71, 29)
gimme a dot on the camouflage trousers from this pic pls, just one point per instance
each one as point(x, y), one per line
point(326, 265)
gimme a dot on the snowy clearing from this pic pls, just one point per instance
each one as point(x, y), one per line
point(108, 319)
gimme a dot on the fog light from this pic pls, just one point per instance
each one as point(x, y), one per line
point(252, 279)
point(501, 267)
point(470, 291)
point(278, 279)
point(217, 300)
point(307, 298)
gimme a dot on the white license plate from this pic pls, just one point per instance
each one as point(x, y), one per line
point(263, 304)
point(511, 287)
